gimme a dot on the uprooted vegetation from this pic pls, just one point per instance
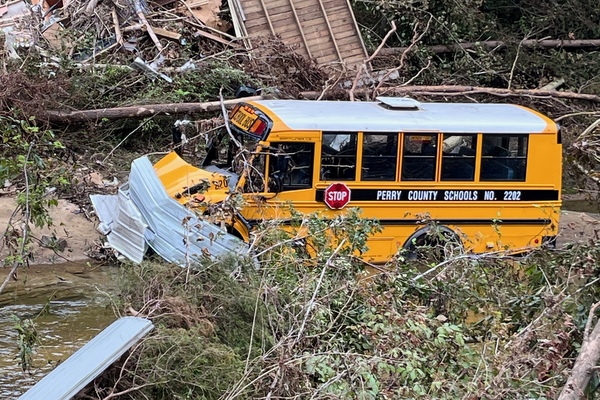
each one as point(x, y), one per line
point(480, 326)
point(326, 325)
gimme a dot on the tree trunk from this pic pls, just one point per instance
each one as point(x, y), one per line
point(492, 44)
point(586, 361)
point(142, 111)
point(448, 90)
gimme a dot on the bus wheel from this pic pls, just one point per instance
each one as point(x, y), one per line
point(432, 243)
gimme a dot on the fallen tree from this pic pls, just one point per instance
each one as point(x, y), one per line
point(495, 44)
point(450, 90)
point(586, 362)
point(144, 111)
point(141, 111)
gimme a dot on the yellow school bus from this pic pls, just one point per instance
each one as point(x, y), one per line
point(488, 173)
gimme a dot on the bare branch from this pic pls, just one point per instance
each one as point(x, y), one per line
point(311, 302)
point(416, 39)
point(363, 67)
point(495, 44)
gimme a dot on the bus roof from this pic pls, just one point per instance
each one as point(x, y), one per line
point(355, 116)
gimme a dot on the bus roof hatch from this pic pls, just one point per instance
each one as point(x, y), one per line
point(400, 103)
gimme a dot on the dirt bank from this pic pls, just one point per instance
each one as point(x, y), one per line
point(69, 223)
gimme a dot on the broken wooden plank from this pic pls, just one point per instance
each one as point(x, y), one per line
point(115, 18)
point(139, 9)
point(196, 3)
point(217, 39)
point(167, 34)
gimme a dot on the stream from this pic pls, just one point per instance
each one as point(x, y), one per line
point(70, 304)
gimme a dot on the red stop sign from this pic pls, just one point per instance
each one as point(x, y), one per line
point(337, 195)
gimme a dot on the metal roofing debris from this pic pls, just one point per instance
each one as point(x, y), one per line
point(66, 380)
point(122, 224)
point(145, 67)
point(147, 214)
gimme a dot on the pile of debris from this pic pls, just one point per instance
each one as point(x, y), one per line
point(83, 30)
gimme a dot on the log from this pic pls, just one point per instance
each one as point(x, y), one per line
point(586, 362)
point(142, 111)
point(448, 90)
point(493, 44)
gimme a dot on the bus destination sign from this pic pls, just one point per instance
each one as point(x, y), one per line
point(465, 195)
point(243, 119)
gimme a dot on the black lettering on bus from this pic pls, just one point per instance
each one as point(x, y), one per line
point(218, 184)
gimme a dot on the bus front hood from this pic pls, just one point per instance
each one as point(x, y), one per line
point(186, 183)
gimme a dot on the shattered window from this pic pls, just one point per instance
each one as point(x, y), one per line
point(379, 160)
point(291, 166)
point(338, 157)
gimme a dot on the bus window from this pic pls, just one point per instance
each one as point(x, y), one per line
point(504, 158)
point(458, 157)
point(379, 159)
point(418, 157)
point(255, 183)
point(338, 157)
point(291, 166)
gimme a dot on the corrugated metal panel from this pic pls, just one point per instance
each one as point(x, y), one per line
point(122, 224)
point(173, 239)
point(106, 207)
point(146, 215)
point(66, 380)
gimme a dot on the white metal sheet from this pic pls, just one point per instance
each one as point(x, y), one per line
point(66, 380)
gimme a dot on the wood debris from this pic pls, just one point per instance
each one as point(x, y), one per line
point(84, 30)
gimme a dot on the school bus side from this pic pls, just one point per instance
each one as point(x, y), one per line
point(495, 190)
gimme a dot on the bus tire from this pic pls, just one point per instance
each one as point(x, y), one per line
point(433, 242)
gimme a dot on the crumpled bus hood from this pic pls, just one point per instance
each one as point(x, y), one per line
point(186, 183)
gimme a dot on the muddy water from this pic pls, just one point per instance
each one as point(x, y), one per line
point(77, 300)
